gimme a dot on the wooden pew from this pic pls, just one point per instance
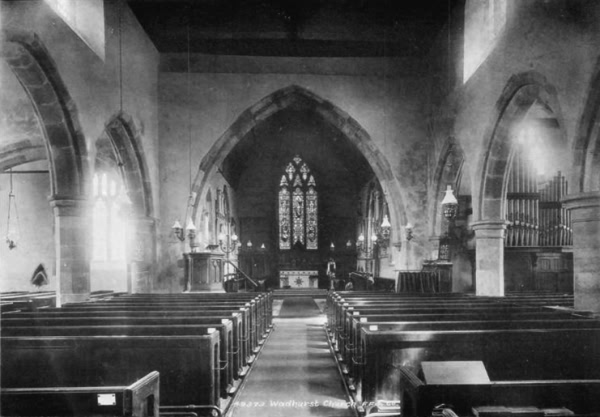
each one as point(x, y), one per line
point(139, 399)
point(251, 329)
point(508, 354)
point(264, 301)
point(354, 353)
point(419, 398)
point(346, 331)
point(248, 334)
point(18, 326)
point(188, 365)
point(85, 328)
point(342, 323)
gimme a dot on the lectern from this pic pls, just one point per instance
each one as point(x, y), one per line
point(204, 271)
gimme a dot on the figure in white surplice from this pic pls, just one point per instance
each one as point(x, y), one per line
point(331, 274)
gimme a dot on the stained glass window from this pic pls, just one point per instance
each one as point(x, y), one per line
point(298, 206)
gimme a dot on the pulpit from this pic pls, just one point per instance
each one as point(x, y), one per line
point(204, 271)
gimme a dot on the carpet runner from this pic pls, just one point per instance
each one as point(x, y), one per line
point(295, 374)
point(299, 307)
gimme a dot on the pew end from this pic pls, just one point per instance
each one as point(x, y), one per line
point(536, 397)
point(140, 399)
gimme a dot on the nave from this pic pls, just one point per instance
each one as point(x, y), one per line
point(353, 353)
point(295, 374)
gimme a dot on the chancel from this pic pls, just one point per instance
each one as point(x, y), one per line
point(269, 207)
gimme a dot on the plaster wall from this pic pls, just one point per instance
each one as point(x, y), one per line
point(35, 222)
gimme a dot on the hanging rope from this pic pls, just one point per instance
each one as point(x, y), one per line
point(120, 62)
point(11, 235)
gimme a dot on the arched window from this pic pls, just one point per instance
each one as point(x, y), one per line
point(298, 206)
point(109, 222)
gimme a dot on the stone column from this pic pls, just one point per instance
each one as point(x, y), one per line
point(489, 257)
point(142, 249)
point(585, 218)
point(72, 239)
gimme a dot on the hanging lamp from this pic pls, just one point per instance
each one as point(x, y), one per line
point(13, 227)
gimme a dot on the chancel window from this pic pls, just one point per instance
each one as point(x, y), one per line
point(298, 201)
point(109, 217)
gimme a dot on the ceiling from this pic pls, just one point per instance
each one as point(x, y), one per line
point(300, 28)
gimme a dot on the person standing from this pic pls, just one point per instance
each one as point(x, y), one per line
point(331, 267)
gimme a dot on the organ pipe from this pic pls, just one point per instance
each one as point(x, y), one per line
point(535, 213)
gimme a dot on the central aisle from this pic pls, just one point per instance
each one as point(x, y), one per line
point(295, 374)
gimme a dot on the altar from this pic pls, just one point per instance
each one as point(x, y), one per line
point(298, 278)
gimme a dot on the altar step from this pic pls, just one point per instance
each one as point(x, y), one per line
point(280, 294)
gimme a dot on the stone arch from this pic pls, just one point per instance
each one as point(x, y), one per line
point(66, 149)
point(127, 145)
point(586, 147)
point(65, 143)
point(298, 97)
point(120, 148)
point(520, 94)
point(448, 171)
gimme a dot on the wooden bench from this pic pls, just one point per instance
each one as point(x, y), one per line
point(354, 353)
point(491, 311)
point(251, 330)
point(508, 354)
point(165, 320)
point(188, 365)
point(419, 398)
point(139, 399)
point(346, 331)
point(86, 327)
point(248, 334)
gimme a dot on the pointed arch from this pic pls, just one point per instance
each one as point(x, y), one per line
point(448, 172)
point(300, 98)
point(586, 147)
point(131, 160)
point(65, 144)
point(520, 94)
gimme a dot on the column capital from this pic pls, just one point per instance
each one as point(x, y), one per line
point(584, 207)
point(490, 229)
point(70, 206)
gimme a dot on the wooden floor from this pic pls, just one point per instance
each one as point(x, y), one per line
point(295, 374)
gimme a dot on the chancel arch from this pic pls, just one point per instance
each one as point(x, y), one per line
point(287, 107)
point(66, 151)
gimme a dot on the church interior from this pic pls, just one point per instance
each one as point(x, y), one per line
point(272, 207)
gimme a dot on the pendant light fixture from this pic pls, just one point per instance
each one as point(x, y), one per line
point(13, 228)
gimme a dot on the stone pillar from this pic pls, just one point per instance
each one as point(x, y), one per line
point(72, 239)
point(489, 257)
point(585, 218)
point(141, 258)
